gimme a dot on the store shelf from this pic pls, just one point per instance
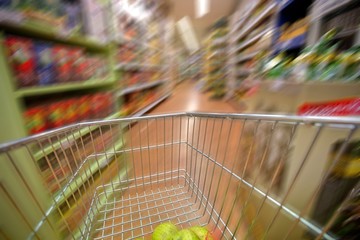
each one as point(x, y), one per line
point(136, 66)
point(247, 57)
point(329, 6)
point(243, 72)
point(253, 40)
point(296, 42)
point(248, 14)
point(123, 40)
point(57, 88)
point(139, 87)
point(13, 22)
point(65, 141)
point(334, 84)
point(266, 13)
point(219, 41)
point(150, 106)
point(285, 4)
point(79, 179)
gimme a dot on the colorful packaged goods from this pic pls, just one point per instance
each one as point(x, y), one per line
point(63, 63)
point(22, 60)
point(79, 65)
point(45, 66)
point(36, 120)
point(56, 115)
point(68, 111)
point(84, 108)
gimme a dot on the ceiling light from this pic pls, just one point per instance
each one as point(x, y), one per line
point(202, 8)
point(187, 34)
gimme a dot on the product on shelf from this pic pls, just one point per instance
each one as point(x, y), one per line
point(56, 114)
point(45, 66)
point(321, 62)
point(298, 28)
point(36, 120)
point(22, 60)
point(80, 67)
point(63, 63)
point(41, 63)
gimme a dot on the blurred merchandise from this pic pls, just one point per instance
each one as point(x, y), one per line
point(339, 184)
point(42, 63)
point(58, 113)
point(342, 107)
point(293, 30)
point(215, 62)
point(45, 67)
point(22, 59)
point(96, 18)
point(322, 62)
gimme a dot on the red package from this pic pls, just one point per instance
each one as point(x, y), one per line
point(96, 105)
point(342, 107)
point(63, 63)
point(57, 115)
point(22, 59)
point(84, 110)
point(79, 63)
point(36, 120)
point(71, 106)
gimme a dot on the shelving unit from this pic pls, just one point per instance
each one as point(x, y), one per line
point(16, 100)
point(215, 58)
point(255, 85)
point(250, 37)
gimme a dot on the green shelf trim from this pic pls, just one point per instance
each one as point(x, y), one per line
point(101, 162)
point(45, 32)
point(49, 149)
point(56, 88)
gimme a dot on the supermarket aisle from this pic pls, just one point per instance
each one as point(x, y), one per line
point(186, 97)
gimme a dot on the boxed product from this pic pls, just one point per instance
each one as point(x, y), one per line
point(63, 63)
point(84, 108)
point(56, 114)
point(45, 65)
point(91, 68)
point(36, 119)
point(71, 107)
point(79, 64)
point(22, 59)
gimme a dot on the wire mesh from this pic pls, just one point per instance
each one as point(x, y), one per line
point(241, 176)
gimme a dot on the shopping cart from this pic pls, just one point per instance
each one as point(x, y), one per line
point(242, 176)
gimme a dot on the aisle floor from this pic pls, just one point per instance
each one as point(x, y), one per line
point(188, 98)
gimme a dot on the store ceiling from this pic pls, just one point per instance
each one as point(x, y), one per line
point(218, 9)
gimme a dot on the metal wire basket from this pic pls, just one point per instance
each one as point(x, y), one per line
point(241, 176)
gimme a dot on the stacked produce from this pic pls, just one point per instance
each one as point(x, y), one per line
point(168, 231)
point(43, 63)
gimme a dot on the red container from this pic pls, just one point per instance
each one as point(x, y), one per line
point(36, 119)
point(63, 63)
point(22, 60)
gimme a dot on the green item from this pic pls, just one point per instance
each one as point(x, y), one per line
point(202, 233)
point(185, 234)
point(164, 231)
